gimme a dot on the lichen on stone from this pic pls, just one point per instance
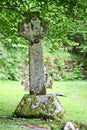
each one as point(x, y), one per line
point(33, 28)
point(39, 106)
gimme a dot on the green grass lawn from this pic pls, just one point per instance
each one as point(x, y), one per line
point(75, 103)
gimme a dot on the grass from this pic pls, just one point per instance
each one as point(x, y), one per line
point(75, 103)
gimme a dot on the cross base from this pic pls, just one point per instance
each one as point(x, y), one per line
point(41, 106)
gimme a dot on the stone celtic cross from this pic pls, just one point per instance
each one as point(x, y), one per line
point(33, 28)
point(37, 103)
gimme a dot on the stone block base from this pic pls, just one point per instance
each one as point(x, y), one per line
point(41, 106)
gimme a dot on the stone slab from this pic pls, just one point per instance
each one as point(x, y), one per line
point(34, 127)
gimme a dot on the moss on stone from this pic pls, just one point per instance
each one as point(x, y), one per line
point(42, 92)
point(41, 106)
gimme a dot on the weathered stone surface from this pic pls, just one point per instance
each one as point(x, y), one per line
point(48, 81)
point(33, 28)
point(36, 72)
point(71, 126)
point(42, 106)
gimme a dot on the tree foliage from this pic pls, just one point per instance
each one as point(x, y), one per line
point(65, 19)
point(61, 14)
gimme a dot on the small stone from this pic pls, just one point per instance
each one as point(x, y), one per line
point(70, 126)
point(22, 102)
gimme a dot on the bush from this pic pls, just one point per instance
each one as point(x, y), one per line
point(76, 74)
point(10, 61)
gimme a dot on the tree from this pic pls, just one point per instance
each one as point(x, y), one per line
point(59, 13)
point(63, 16)
point(79, 33)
